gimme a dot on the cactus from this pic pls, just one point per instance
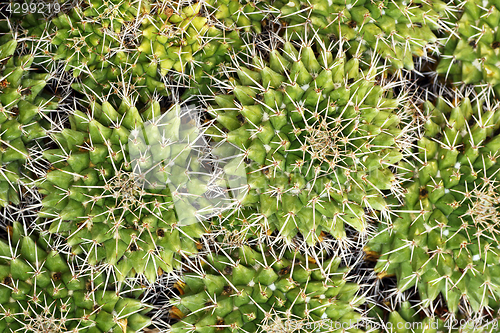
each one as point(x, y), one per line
point(93, 45)
point(395, 30)
point(252, 290)
point(302, 131)
point(110, 50)
point(126, 187)
point(40, 292)
point(470, 51)
point(234, 14)
point(23, 118)
point(445, 240)
point(318, 136)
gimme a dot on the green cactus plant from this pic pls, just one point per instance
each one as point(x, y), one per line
point(318, 137)
point(23, 118)
point(445, 239)
point(92, 44)
point(470, 52)
point(234, 14)
point(406, 319)
point(395, 30)
point(125, 187)
point(133, 49)
point(40, 292)
point(252, 290)
point(315, 139)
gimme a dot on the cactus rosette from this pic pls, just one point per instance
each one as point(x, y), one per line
point(445, 240)
point(253, 290)
point(127, 188)
point(318, 136)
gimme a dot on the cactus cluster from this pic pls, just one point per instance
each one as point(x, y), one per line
point(249, 166)
point(24, 108)
point(253, 290)
point(40, 292)
point(446, 239)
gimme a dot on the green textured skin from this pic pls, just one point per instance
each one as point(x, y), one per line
point(318, 135)
point(23, 106)
point(256, 292)
point(396, 30)
point(446, 240)
point(470, 55)
point(185, 42)
point(94, 193)
point(34, 34)
point(40, 293)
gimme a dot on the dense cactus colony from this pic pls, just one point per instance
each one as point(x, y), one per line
point(249, 166)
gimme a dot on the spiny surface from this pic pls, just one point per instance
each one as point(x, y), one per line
point(127, 188)
point(320, 138)
point(395, 30)
point(23, 118)
point(446, 238)
point(40, 293)
point(252, 290)
point(471, 50)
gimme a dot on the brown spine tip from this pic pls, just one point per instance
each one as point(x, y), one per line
point(180, 285)
point(10, 230)
point(383, 275)
point(175, 313)
point(371, 255)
